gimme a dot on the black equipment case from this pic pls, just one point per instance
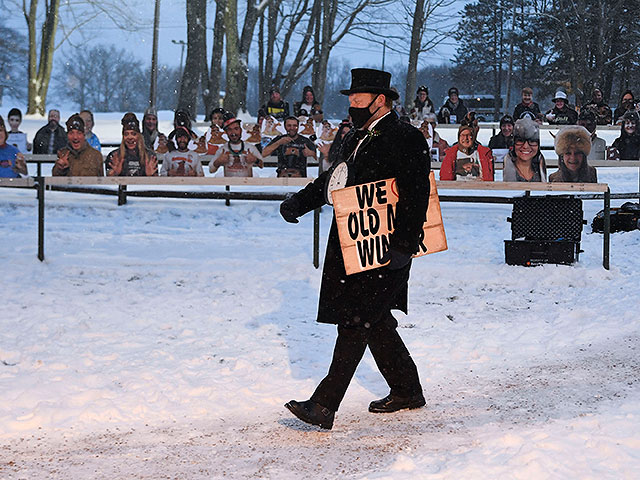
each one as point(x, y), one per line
point(544, 229)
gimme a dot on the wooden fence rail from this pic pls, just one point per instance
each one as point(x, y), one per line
point(587, 191)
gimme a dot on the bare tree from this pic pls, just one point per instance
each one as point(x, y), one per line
point(237, 50)
point(49, 16)
point(303, 33)
point(195, 71)
point(594, 39)
point(424, 36)
point(212, 98)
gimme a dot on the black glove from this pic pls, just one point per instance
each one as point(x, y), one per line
point(396, 259)
point(289, 209)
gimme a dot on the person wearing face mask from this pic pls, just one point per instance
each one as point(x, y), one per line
point(627, 104)
point(132, 158)
point(292, 150)
point(627, 145)
point(78, 158)
point(573, 144)
point(467, 159)
point(50, 138)
point(525, 162)
point(377, 148)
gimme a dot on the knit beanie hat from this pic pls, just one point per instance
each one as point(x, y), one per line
point(75, 122)
point(130, 122)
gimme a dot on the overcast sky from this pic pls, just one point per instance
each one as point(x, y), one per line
point(173, 27)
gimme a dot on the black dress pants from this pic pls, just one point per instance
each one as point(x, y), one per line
point(389, 352)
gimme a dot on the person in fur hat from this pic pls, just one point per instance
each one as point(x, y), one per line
point(627, 145)
point(467, 159)
point(525, 162)
point(573, 145)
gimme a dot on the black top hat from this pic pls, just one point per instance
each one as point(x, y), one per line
point(367, 80)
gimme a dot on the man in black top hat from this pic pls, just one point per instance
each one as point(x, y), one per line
point(378, 148)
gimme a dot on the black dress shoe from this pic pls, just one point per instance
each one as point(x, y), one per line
point(312, 413)
point(393, 403)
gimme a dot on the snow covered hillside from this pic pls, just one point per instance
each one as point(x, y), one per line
point(161, 339)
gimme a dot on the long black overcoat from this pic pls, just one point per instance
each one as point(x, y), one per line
point(394, 150)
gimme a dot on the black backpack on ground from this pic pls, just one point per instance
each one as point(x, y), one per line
point(623, 219)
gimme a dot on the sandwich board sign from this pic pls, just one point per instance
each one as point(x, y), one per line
point(366, 215)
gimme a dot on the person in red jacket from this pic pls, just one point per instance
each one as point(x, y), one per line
point(467, 159)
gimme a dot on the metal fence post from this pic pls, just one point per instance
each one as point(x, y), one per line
point(40, 190)
point(607, 229)
point(122, 195)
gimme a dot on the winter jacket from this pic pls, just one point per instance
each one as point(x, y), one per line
point(533, 108)
point(399, 151)
point(628, 146)
point(510, 172)
point(602, 111)
point(447, 170)
point(420, 110)
point(564, 116)
point(586, 173)
point(279, 110)
point(500, 142)
point(458, 111)
point(86, 162)
point(42, 139)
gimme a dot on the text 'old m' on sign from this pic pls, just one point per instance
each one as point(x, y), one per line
point(366, 215)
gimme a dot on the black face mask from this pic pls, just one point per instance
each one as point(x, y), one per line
point(361, 115)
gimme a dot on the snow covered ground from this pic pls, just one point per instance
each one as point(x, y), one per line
point(161, 340)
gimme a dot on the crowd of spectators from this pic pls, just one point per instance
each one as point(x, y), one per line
point(295, 139)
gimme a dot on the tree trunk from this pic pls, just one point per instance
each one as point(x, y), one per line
point(232, 96)
point(39, 80)
point(195, 70)
point(272, 25)
point(215, 75)
point(237, 50)
point(414, 50)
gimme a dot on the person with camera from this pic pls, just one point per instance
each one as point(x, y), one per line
point(237, 158)
point(292, 150)
point(379, 147)
point(627, 104)
point(627, 145)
